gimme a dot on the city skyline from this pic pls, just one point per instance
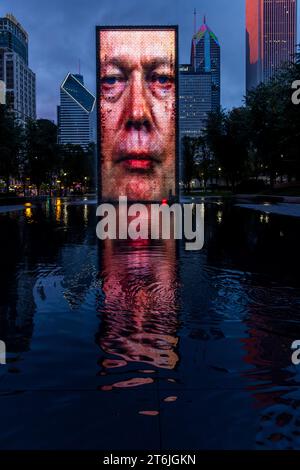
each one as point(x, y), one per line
point(70, 35)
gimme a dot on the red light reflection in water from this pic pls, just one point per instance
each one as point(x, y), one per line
point(268, 344)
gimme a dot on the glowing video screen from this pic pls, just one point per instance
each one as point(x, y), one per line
point(137, 112)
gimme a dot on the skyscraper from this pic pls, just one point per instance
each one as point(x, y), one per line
point(195, 102)
point(75, 115)
point(19, 80)
point(195, 99)
point(271, 37)
point(206, 58)
point(199, 85)
point(199, 82)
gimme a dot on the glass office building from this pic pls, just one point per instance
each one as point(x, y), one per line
point(195, 102)
point(271, 38)
point(13, 37)
point(19, 80)
point(206, 58)
point(76, 113)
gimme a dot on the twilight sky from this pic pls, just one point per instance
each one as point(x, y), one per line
point(63, 31)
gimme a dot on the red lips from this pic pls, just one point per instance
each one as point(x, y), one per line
point(137, 163)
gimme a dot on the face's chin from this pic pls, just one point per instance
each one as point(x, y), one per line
point(138, 179)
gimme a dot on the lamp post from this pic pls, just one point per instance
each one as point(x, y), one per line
point(65, 180)
point(219, 173)
point(59, 182)
point(85, 183)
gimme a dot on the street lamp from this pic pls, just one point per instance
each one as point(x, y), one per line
point(59, 182)
point(219, 174)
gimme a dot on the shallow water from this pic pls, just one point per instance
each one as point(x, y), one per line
point(130, 345)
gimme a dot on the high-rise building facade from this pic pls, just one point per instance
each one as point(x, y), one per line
point(206, 58)
point(199, 82)
point(19, 80)
point(271, 38)
point(199, 85)
point(75, 116)
point(195, 99)
point(195, 102)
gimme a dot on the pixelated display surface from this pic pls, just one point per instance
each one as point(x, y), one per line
point(137, 112)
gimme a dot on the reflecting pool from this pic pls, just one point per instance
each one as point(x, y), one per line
point(142, 344)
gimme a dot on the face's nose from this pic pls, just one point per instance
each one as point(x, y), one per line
point(139, 109)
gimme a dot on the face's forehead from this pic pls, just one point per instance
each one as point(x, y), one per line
point(140, 45)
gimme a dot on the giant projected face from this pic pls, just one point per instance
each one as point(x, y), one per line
point(137, 113)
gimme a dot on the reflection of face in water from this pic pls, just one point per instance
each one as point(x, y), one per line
point(138, 312)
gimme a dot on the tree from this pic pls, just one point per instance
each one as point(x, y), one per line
point(188, 151)
point(290, 123)
point(214, 133)
point(264, 105)
point(203, 160)
point(261, 137)
point(10, 145)
point(226, 137)
point(90, 165)
point(235, 158)
point(274, 123)
point(41, 156)
point(73, 164)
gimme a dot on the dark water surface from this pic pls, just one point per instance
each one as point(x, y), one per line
point(138, 345)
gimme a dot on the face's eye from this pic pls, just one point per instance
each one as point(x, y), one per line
point(161, 84)
point(161, 79)
point(109, 80)
point(112, 86)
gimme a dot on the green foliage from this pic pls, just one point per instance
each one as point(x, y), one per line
point(32, 154)
point(41, 158)
point(10, 145)
point(274, 124)
point(78, 164)
point(203, 161)
point(226, 135)
point(188, 150)
point(261, 137)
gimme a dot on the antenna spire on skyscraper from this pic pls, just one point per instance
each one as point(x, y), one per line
point(195, 21)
